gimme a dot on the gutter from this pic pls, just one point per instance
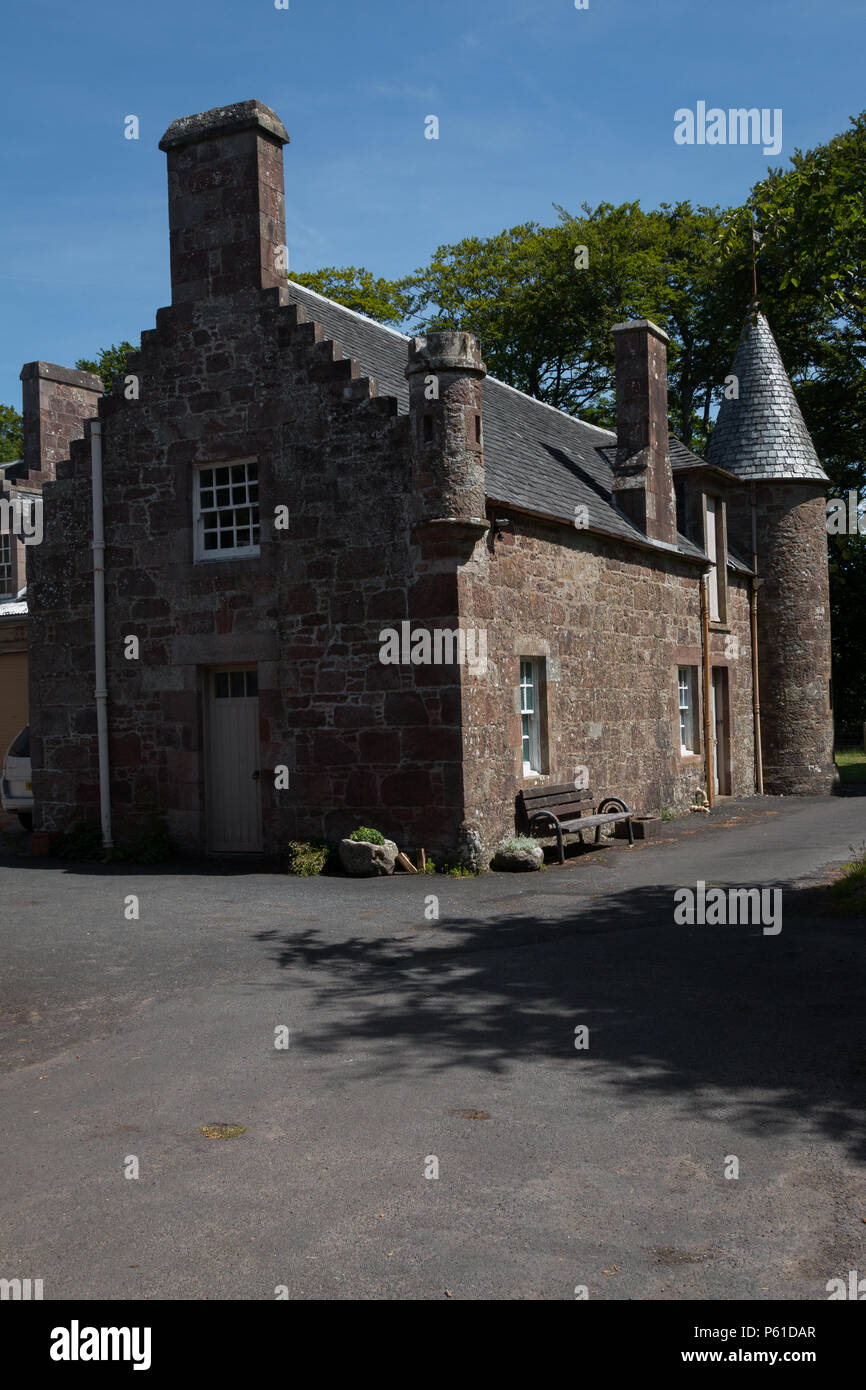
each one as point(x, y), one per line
point(639, 542)
point(101, 687)
point(705, 645)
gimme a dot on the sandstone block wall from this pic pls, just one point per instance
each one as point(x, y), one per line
point(613, 628)
point(364, 742)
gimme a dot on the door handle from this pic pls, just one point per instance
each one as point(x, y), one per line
point(256, 775)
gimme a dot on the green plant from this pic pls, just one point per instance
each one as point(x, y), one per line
point(308, 857)
point(668, 813)
point(431, 867)
point(83, 841)
point(457, 870)
point(849, 891)
point(518, 842)
point(369, 837)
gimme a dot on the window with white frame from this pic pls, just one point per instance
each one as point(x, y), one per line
point(715, 548)
point(7, 565)
point(687, 687)
point(226, 507)
point(531, 675)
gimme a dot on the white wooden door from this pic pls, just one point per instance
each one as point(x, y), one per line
point(234, 807)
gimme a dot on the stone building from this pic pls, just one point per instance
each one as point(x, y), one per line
point(352, 579)
point(55, 403)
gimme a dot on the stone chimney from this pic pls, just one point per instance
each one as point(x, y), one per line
point(56, 401)
point(226, 202)
point(446, 374)
point(643, 485)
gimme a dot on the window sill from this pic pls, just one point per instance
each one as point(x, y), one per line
point(216, 556)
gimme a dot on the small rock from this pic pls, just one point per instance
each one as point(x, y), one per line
point(365, 860)
point(519, 860)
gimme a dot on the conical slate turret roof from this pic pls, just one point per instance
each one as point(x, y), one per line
point(762, 434)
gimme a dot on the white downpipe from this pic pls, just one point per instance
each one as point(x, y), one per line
point(101, 692)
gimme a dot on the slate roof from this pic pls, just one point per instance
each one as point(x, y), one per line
point(762, 435)
point(682, 456)
point(536, 457)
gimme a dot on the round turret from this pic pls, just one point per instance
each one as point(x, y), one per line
point(779, 517)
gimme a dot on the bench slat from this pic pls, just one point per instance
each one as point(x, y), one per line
point(568, 822)
point(555, 789)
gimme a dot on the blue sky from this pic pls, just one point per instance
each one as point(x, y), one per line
point(538, 103)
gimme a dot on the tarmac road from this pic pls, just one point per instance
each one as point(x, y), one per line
point(411, 1039)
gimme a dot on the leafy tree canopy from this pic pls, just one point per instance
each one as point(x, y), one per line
point(358, 289)
point(109, 365)
point(11, 436)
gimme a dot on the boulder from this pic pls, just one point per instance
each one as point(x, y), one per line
point(364, 860)
point(518, 859)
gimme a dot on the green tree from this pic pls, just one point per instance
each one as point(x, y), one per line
point(543, 301)
point(11, 434)
point(358, 289)
point(812, 284)
point(109, 365)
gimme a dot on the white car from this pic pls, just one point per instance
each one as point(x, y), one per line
point(16, 788)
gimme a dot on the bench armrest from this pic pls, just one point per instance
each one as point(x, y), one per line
point(543, 815)
point(612, 801)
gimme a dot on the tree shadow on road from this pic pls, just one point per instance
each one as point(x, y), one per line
point(717, 1015)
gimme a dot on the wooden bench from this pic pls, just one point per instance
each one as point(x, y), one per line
point(563, 808)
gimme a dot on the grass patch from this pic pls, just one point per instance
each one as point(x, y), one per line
point(849, 892)
point(458, 870)
point(851, 763)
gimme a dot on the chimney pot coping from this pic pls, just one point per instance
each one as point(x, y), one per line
point(646, 324)
point(224, 120)
point(67, 376)
point(446, 350)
